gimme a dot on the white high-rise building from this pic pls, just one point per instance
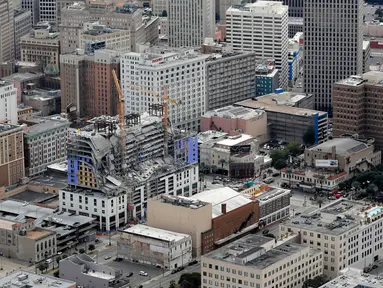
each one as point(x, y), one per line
point(145, 75)
point(8, 103)
point(333, 45)
point(6, 31)
point(261, 27)
point(190, 22)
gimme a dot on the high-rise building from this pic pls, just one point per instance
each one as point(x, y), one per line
point(11, 154)
point(6, 31)
point(48, 11)
point(333, 46)
point(8, 103)
point(358, 106)
point(128, 17)
point(87, 82)
point(295, 7)
point(190, 22)
point(22, 26)
point(223, 5)
point(261, 27)
point(60, 6)
point(366, 56)
point(159, 6)
point(34, 7)
point(181, 71)
point(229, 78)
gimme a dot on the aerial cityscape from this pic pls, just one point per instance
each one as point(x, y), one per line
point(191, 143)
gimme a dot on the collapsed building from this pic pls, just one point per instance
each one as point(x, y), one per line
point(113, 186)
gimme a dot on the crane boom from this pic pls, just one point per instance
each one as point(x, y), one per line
point(121, 116)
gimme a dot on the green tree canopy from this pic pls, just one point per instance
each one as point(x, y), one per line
point(309, 137)
point(190, 280)
point(91, 247)
point(294, 148)
point(279, 158)
point(82, 251)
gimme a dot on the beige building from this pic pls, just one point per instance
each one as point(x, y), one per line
point(6, 31)
point(348, 232)
point(11, 154)
point(42, 47)
point(181, 218)
point(154, 246)
point(24, 241)
point(257, 261)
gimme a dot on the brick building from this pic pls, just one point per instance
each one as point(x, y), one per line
point(213, 218)
point(87, 82)
point(357, 106)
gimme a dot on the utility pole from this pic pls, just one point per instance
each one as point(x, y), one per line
point(110, 242)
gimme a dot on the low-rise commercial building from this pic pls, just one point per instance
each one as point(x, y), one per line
point(24, 241)
point(47, 102)
point(289, 117)
point(84, 270)
point(236, 121)
point(332, 162)
point(354, 278)
point(348, 233)
point(70, 229)
point(11, 154)
point(21, 80)
point(212, 218)
point(257, 261)
point(233, 156)
point(45, 144)
point(23, 277)
point(153, 246)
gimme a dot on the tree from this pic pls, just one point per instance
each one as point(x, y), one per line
point(56, 274)
point(91, 247)
point(280, 164)
point(164, 13)
point(190, 280)
point(320, 202)
point(222, 162)
point(309, 136)
point(372, 189)
point(214, 168)
point(294, 148)
point(172, 284)
point(269, 171)
point(280, 157)
point(41, 267)
point(82, 251)
point(58, 258)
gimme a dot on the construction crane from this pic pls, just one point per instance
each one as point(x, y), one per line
point(165, 109)
point(121, 117)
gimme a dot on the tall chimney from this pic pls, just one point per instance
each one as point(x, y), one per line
point(223, 208)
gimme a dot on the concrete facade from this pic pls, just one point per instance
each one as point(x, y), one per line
point(266, 78)
point(22, 26)
point(45, 144)
point(11, 154)
point(257, 261)
point(7, 37)
point(8, 103)
point(98, 95)
point(34, 7)
point(230, 78)
point(270, 20)
point(366, 56)
point(153, 246)
point(24, 241)
point(327, 59)
point(47, 10)
point(357, 102)
point(190, 22)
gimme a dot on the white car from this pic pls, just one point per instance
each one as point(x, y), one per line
point(107, 257)
point(143, 273)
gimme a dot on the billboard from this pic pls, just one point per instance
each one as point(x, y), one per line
point(326, 163)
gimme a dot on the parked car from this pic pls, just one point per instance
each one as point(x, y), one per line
point(266, 231)
point(193, 262)
point(143, 273)
point(130, 274)
point(108, 257)
point(97, 240)
point(48, 261)
point(118, 259)
point(268, 180)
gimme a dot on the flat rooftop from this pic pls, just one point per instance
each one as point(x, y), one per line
point(12, 208)
point(234, 112)
point(20, 77)
point(210, 136)
point(271, 7)
point(155, 233)
point(45, 125)
point(234, 140)
point(255, 251)
point(224, 195)
point(38, 233)
point(7, 224)
point(181, 201)
point(354, 278)
point(23, 278)
point(336, 218)
point(33, 197)
point(4, 127)
point(344, 146)
point(279, 105)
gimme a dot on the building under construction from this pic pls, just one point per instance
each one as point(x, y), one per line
point(114, 187)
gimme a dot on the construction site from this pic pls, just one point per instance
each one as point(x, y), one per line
point(153, 162)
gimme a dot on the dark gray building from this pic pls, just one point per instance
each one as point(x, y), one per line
point(230, 78)
point(295, 25)
point(333, 46)
point(22, 25)
point(34, 7)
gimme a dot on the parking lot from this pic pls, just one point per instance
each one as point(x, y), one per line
point(136, 279)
